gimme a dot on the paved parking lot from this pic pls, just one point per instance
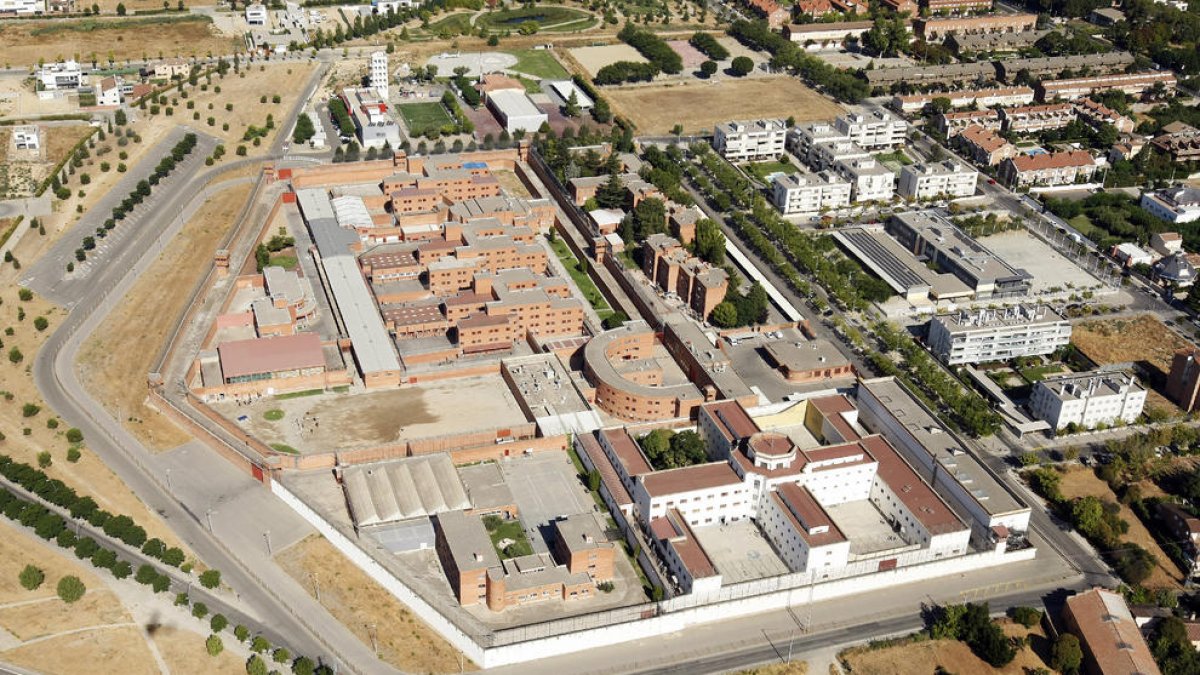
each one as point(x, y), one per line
point(545, 487)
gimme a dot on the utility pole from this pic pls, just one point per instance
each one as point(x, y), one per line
point(267, 536)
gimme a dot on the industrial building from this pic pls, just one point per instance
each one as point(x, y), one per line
point(516, 111)
point(942, 244)
point(1088, 400)
point(985, 335)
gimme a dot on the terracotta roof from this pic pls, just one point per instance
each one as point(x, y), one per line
point(917, 496)
point(831, 408)
point(1056, 160)
point(1108, 632)
point(627, 452)
point(675, 532)
point(270, 355)
point(770, 444)
point(806, 515)
point(690, 478)
point(608, 474)
point(731, 419)
point(984, 139)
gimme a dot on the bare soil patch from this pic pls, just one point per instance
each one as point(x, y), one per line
point(594, 58)
point(1080, 482)
point(922, 658)
point(102, 650)
point(358, 602)
point(117, 357)
point(21, 43)
point(655, 109)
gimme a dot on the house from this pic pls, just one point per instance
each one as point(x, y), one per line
point(22, 7)
point(27, 137)
point(1055, 168)
point(172, 68)
point(1098, 114)
point(1031, 119)
point(1112, 643)
point(108, 92)
point(60, 76)
point(952, 123)
point(1130, 254)
point(1174, 205)
point(1180, 141)
point(770, 10)
point(1133, 84)
point(256, 15)
point(986, 146)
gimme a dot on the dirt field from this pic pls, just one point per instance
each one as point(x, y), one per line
point(793, 668)
point(21, 44)
point(594, 58)
point(184, 653)
point(1143, 339)
point(923, 658)
point(1081, 482)
point(698, 106)
point(358, 602)
point(285, 80)
point(119, 354)
point(22, 171)
point(115, 649)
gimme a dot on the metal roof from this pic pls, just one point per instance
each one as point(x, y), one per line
point(398, 490)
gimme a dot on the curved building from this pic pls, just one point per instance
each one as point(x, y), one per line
point(629, 379)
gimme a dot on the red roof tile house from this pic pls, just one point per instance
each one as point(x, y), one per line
point(770, 10)
point(1056, 168)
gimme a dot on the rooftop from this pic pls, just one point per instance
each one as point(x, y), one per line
point(401, 489)
point(241, 358)
point(1109, 633)
point(467, 541)
point(690, 478)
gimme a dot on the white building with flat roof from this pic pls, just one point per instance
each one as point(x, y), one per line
point(516, 111)
point(379, 75)
point(825, 155)
point(809, 192)
point(1130, 254)
point(62, 75)
point(22, 7)
point(803, 137)
point(1174, 205)
point(27, 137)
point(256, 15)
point(1087, 400)
point(563, 89)
point(874, 130)
point(937, 179)
point(997, 334)
point(870, 181)
point(750, 141)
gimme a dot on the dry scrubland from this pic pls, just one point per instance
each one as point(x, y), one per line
point(117, 357)
point(700, 105)
point(950, 656)
point(22, 172)
point(357, 601)
point(1142, 339)
point(245, 91)
point(21, 43)
point(1080, 482)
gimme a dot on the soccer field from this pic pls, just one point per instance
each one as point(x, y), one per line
point(421, 117)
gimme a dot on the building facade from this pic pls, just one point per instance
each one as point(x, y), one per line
point(1088, 400)
point(810, 192)
point(937, 180)
point(997, 334)
point(750, 141)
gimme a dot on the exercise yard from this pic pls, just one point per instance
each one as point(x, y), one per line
point(421, 117)
point(698, 106)
point(335, 421)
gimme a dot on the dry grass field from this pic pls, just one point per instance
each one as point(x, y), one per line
point(118, 355)
point(1143, 339)
point(700, 105)
point(183, 652)
point(357, 601)
point(22, 43)
point(950, 656)
point(106, 649)
point(1081, 482)
point(245, 92)
point(793, 668)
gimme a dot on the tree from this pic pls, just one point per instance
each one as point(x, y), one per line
point(303, 666)
point(213, 645)
point(1026, 616)
point(119, 118)
point(74, 435)
point(260, 644)
point(741, 66)
point(281, 655)
point(256, 666)
point(15, 355)
point(122, 569)
point(262, 257)
point(120, 11)
point(31, 578)
point(304, 129)
point(40, 323)
point(754, 308)
point(1067, 656)
point(241, 632)
point(572, 108)
point(614, 320)
point(708, 68)
point(70, 589)
point(199, 610)
point(611, 195)
point(710, 242)
point(725, 315)
point(210, 579)
point(218, 622)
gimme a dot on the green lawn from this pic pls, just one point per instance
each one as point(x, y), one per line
point(284, 448)
point(898, 156)
point(421, 117)
point(273, 415)
point(287, 262)
point(455, 24)
point(548, 18)
point(539, 63)
point(581, 279)
point(298, 394)
point(764, 169)
point(1038, 373)
point(1085, 227)
point(498, 529)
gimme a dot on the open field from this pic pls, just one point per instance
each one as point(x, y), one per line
point(285, 80)
point(421, 117)
point(360, 603)
point(1080, 482)
point(698, 106)
point(24, 42)
point(592, 59)
point(21, 171)
point(106, 649)
point(539, 63)
point(1052, 272)
point(117, 357)
point(1144, 339)
point(950, 656)
point(793, 668)
point(184, 653)
point(338, 421)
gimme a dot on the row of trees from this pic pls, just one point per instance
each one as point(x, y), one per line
point(786, 55)
point(709, 46)
point(626, 71)
point(654, 48)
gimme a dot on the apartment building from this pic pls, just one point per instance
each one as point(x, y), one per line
point(875, 130)
point(481, 245)
point(987, 335)
point(985, 146)
point(1174, 205)
point(936, 30)
point(1180, 141)
point(956, 6)
point(580, 543)
point(870, 181)
point(1088, 400)
point(1054, 168)
point(1184, 529)
point(802, 139)
point(1042, 67)
point(947, 75)
point(1098, 114)
point(817, 35)
point(1133, 84)
point(1032, 119)
point(826, 155)
point(994, 43)
point(981, 98)
point(810, 192)
point(379, 76)
point(937, 180)
point(669, 265)
point(750, 141)
point(509, 306)
point(953, 123)
point(1183, 382)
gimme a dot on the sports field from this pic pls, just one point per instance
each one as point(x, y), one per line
point(539, 63)
point(421, 117)
point(698, 106)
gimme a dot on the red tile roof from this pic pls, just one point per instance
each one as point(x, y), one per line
point(1055, 160)
point(732, 419)
point(806, 515)
point(675, 532)
point(270, 355)
point(627, 452)
point(608, 473)
point(690, 478)
point(909, 488)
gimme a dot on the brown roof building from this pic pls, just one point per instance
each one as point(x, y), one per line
point(271, 358)
point(1134, 84)
point(1183, 383)
point(1111, 641)
point(1056, 168)
point(985, 146)
point(1180, 141)
point(936, 30)
point(669, 265)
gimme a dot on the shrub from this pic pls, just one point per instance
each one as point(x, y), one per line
point(31, 578)
point(741, 66)
point(210, 579)
point(70, 589)
point(104, 558)
point(213, 645)
point(146, 574)
point(122, 569)
point(74, 435)
point(241, 632)
point(44, 459)
point(199, 610)
point(30, 409)
point(260, 644)
point(281, 655)
point(25, 294)
point(161, 583)
point(218, 622)
point(1026, 616)
point(73, 455)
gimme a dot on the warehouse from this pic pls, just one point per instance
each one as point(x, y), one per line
point(516, 111)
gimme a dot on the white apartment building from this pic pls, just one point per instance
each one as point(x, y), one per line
point(704, 494)
point(997, 334)
point(379, 75)
point(870, 181)
point(937, 179)
point(875, 130)
point(1174, 205)
point(750, 141)
point(59, 76)
point(385, 6)
point(1088, 400)
point(22, 7)
point(826, 154)
point(27, 137)
point(803, 137)
point(809, 192)
point(256, 15)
